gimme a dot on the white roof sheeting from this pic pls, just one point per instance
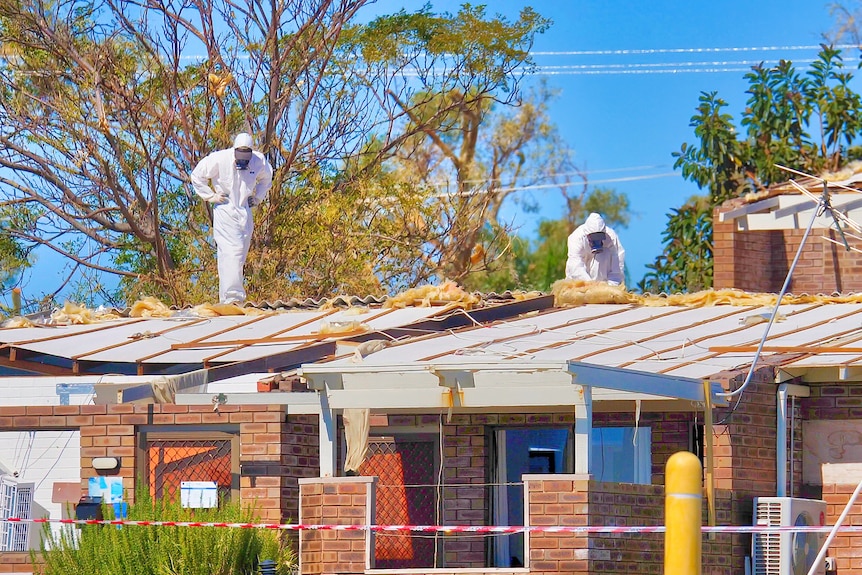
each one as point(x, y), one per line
point(678, 343)
point(643, 352)
point(144, 345)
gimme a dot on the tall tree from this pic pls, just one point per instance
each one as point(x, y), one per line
point(106, 105)
point(808, 122)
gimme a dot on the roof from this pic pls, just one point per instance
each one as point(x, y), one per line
point(629, 351)
point(652, 348)
point(792, 204)
point(183, 342)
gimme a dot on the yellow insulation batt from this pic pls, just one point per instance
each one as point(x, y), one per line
point(566, 293)
point(425, 296)
point(579, 292)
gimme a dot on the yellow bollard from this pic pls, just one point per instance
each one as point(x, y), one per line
point(682, 514)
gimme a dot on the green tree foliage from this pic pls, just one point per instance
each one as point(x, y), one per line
point(805, 121)
point(107, 105)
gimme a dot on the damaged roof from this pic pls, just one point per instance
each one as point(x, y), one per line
point(593, 331)
point(161, 341)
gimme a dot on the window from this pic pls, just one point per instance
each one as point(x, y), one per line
point(519, 451)
point(622, 454)
point(170, 456)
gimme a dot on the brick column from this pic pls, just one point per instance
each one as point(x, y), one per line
point(263, 472)
point(336, 501)
point(557, 500)
point(743, 259)
point(845, 547)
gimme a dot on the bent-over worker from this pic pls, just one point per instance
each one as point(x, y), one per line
point(595, 253)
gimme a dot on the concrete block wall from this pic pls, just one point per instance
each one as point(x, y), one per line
point(758, 261)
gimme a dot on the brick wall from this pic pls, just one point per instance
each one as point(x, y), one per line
point(846, 548)
point(466, 462)
point(578, 501)
point(558, 500)
point(758, 261)
point(837, 402)
point(335, 501)
point(16, 563)
point(274, 450)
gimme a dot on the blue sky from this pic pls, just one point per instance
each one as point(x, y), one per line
point(625, 125)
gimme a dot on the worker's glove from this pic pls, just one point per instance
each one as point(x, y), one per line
point(253, 201)
point(218, 199)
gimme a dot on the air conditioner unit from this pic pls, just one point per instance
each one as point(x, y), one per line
point(16, 500)
point(792, 552)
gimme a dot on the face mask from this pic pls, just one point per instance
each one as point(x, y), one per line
point(596, 240)
point(241, 157)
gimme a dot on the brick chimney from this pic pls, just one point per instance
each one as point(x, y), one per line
point(757, 260)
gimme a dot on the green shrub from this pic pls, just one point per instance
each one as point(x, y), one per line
point(166, 550)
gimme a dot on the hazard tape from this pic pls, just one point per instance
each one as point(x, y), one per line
point(444, 528)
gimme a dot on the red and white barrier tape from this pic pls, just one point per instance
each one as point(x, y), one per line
point(444, 528)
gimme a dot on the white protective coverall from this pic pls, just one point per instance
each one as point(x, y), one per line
point(233, 192)
point(585, 263)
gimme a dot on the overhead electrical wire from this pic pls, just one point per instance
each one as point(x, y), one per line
point(641, 68)
point(648, 51)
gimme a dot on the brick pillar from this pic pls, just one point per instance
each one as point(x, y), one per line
point(845, 547)
point(465, 459)
point(264, 472)
point(744, 259)
point(336, 501)
point(107, 431)
point(557, 500)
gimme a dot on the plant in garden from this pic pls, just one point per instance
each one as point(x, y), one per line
point(166, 550)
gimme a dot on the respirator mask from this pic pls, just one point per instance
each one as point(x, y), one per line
point(596, 240)
point(242, 156)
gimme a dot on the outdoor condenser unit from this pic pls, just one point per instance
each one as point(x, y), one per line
point(787, 553)
point(16, 500)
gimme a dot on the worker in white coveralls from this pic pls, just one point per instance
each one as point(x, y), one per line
point(595, 253)
point(234, 181)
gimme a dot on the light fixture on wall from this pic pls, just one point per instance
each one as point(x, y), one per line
point(105, 464)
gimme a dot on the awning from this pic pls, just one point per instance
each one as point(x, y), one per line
point(496, 386)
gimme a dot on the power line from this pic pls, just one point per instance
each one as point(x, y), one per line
point(683, 50)
point(546, 175)
point(592, 182)
point(676, 64)
point(484, 190)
